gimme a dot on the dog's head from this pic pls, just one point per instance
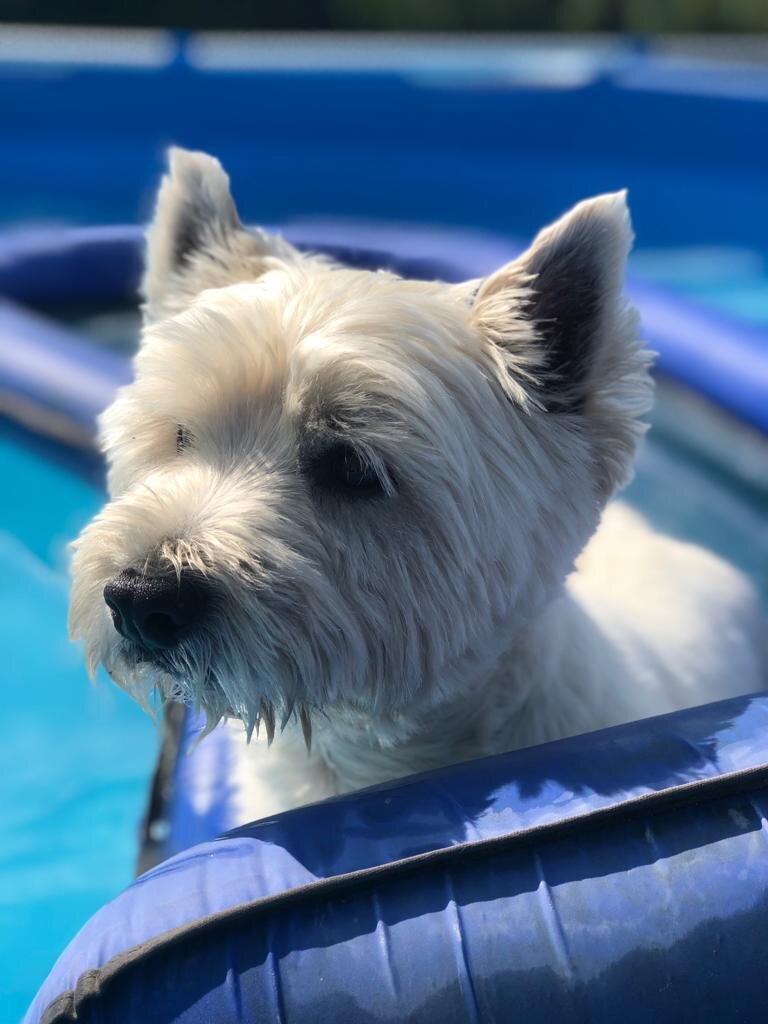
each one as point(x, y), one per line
point(330, 488)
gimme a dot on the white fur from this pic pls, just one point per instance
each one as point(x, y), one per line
point(440, 620)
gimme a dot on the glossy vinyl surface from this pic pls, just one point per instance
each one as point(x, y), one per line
point(648, 913)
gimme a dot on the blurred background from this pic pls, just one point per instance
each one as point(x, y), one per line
point(437, 136)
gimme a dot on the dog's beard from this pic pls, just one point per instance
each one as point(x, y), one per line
point(212, 674)
point(182, 675)
point(283, 639)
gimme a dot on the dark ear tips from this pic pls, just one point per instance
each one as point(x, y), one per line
point(565, 341)
point(572, 277)
point(566, 304)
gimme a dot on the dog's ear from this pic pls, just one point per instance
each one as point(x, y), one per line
point(564, 333)
point(567, 288)
point(196, 240)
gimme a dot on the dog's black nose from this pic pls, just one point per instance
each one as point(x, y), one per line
point(156, 611)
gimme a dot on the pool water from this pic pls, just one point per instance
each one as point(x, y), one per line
point(729, 279)
point(75, 759)
point(686, 494)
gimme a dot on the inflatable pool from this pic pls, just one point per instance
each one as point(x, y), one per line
point(621, 872)
point(618, 875)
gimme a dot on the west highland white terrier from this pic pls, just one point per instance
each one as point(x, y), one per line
point(349, 506)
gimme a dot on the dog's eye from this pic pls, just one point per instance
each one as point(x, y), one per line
point(340, 468)
point(182, 439)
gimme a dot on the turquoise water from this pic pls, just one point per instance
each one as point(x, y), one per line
point(690, 498)
point(729, 279)
point(74, 759)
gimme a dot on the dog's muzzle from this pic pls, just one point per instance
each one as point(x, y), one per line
point(157, 612)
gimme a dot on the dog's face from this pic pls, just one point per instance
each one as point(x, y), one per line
point(332, 489)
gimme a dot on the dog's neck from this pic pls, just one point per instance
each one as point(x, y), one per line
point(492, 712)
point(366, 751)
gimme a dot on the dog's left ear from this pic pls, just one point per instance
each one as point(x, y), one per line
point(196, 240)
point(564, 333)
point(567, 288)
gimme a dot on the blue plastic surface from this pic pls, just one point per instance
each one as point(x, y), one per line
point(505, 144)
point(656, 912)
point(46, 364)
point(722, 358)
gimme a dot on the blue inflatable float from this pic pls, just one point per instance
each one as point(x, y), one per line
point(621, 875)
point(618, 875)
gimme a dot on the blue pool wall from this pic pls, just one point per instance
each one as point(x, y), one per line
point(501, 149)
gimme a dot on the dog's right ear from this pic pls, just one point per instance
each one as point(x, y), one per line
point(196, 240)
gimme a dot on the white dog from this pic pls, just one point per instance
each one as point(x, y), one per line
point(350, 505)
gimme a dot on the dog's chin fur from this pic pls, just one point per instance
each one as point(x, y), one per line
point(429, 615)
